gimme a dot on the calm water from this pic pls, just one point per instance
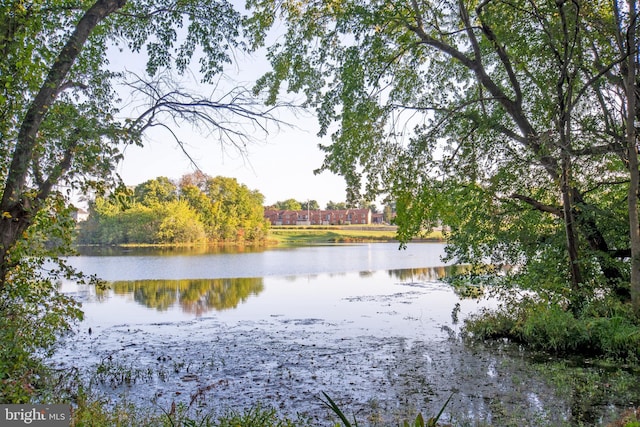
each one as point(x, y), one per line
point(371, 325)
point(372, 288)
point(143, 264)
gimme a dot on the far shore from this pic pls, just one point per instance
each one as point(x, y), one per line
point(309, 235)
point(342, 234)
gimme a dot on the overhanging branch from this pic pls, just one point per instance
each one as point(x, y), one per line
point(234, 114)
point(554, 210)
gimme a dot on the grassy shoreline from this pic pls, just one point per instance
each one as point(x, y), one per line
point(340, 234)
point(302, 236)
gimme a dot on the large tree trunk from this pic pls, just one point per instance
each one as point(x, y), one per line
point(570, 228)
point(634, 184)
point(19, 206)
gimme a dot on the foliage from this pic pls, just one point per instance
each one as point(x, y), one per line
point(258, 417)
point(503, 122)
point(179, 223)
point(156, 191)
point(418, 422)
point(63, 127)
point(235, 212)
point(607, 328)
point(158, 212)
point(34, 311)
point(309, 205)
point(289, 204)
point(329, 403)
point(90, 410)
point(333, 206)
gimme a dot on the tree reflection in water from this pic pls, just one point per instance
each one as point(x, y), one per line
point(466, 281)
point(198, 296)
point(195, 296)
point(428, 274)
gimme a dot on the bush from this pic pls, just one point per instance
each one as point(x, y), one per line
point(33, 312)
point(616, 336)
point(551, 327)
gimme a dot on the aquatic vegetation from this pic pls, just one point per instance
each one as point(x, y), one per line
point(550, 327)
point(417, 422)
point(110, 372)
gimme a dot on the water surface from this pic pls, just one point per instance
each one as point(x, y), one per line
point(211, 263)
point(373, 326)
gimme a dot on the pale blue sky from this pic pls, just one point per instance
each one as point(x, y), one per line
point(279, 165)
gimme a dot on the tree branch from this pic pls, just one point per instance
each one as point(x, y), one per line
point(529, 135)
point(556, 211)
point(613, 147)
point(502, 54)
point(165, 98)
point(55, 81)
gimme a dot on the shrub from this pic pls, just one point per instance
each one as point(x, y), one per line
point(615, 336)
point(551, 327)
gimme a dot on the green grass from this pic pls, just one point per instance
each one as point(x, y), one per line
point(346, 234)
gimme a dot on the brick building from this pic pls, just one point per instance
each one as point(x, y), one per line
point(318, 217)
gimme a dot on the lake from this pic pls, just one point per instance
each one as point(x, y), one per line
point(369, 324)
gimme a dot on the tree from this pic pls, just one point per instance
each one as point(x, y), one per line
point(289, 204)
point(179, 224)
point(309, 205)
point(59, 117)
point(229, 210)
point(387, 214)
point(167, 222)
point(367, 205)
point(627, 41)
point(223, 211)
point(236, 212)
point(154, 191)
point(62, 125)
point(503, 121)
point(332, 206)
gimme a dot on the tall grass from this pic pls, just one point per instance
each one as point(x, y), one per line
point(418, 422)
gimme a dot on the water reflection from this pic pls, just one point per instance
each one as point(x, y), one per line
point(193, 296)
point(428, 274)
point(198, 296)
point(464, 289)
point(168, 250)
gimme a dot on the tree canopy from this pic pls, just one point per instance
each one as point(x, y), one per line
point(289, 204)
point(159, 212)
point(63, 122)
point(63, 126)
point(513, 124)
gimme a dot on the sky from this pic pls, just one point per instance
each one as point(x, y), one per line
point(279, 165)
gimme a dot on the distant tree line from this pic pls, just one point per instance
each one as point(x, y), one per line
point(295, 205)
point(197, 209)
